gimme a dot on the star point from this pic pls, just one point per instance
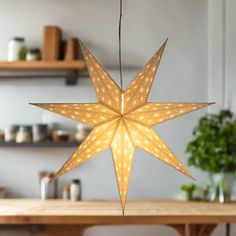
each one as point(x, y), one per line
point(122, 120)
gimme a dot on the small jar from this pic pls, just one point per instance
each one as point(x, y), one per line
point(82, 132)
point(40, 132)
point(66, 192)
point(60, 136)
point(47, 188)
point(75, 190)
point(52, 127)
point(24, 135)
point(10, 133)
point(33, 55)
point(16, 49)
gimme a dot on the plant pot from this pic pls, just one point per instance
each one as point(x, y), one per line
point(221, 186)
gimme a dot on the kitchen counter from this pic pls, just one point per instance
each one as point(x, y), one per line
point(61, 215)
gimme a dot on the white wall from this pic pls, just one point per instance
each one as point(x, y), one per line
point(230, 54)
point(182, 77)
point(222, 51)
point(221, 57)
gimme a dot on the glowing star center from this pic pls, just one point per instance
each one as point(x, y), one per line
point(122, 104)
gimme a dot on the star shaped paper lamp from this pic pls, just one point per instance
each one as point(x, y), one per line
point(122, 120)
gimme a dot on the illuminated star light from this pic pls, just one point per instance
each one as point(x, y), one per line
point(122, 120)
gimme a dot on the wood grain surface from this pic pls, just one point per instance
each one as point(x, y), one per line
point(25, 211)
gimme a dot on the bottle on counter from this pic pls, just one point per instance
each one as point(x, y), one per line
point(75, 190)
point(66, 192)
point(47, 188)
point(16, 49)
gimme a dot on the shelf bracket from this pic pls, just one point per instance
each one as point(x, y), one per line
point(71, 77)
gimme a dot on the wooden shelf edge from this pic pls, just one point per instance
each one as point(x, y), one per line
point(43, 65)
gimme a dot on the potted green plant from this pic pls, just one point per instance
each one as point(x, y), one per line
point(213, 149)
point(188, 189)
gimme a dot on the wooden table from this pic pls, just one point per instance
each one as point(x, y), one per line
point(58, 217)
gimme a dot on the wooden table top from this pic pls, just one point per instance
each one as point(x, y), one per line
point(29, 211)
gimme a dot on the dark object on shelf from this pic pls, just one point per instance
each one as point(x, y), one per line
point(40, 132)
point(33, 54)
point(60, 136)
point(2, 136)
point(51, 43)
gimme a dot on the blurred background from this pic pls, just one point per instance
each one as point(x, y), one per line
point(198, 66)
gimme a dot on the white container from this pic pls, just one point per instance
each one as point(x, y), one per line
point(16, 49)
point(10, 133)
point(82, 132)
point(75, 190)
point(47, 188)
point(33, 55)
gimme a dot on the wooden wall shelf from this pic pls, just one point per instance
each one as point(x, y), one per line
point(40, 144)
point(43, 65)
point(70, 70)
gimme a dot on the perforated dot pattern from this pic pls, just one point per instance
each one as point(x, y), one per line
point(122, 152)
point(136, 93)
point(122, 120)
point(155, 113)
point(90, 114)
point(107, 91)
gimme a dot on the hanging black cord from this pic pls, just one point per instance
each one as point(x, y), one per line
point(121, 81)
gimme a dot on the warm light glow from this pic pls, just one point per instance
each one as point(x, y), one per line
point(122, 120)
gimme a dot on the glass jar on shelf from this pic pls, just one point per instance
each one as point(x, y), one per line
point(40, 132)
point(24, 135)
point(16, 49)
point(10, 133)
point(82, 132)
point(33, 54)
